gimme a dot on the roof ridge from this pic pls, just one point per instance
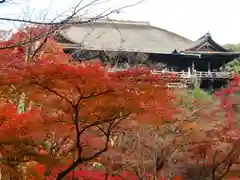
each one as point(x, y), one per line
point(108, 20)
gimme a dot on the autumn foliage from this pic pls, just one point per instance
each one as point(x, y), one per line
point(80, 120)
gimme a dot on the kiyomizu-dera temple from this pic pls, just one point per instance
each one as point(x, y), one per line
point(136, 42)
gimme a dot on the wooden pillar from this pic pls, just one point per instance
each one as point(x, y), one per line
point(193, 66)
point(209, 66)
point(210, 88)
point(189, 71)
point(224, 66)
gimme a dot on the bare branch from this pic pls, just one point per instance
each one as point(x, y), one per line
point(58, 25)
point(101, 15)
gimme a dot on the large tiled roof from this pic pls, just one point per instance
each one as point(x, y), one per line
point(115, 35)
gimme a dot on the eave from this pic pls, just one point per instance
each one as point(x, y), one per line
point(212, 53)
point(69, 46)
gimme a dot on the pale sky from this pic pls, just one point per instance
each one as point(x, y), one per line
point(189, 18)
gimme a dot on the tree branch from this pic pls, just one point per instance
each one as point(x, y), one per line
point(72, 23)
point(81, 160)
point(226, 171)
point(54, 92)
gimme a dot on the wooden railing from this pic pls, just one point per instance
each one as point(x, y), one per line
point(176, 85)
point(117, 69)
point(197, 74)
point(221, 75)
point(188, 75)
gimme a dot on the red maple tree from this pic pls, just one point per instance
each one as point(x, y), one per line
point(71, 111)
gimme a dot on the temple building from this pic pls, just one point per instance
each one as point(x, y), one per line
point(129, 43)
